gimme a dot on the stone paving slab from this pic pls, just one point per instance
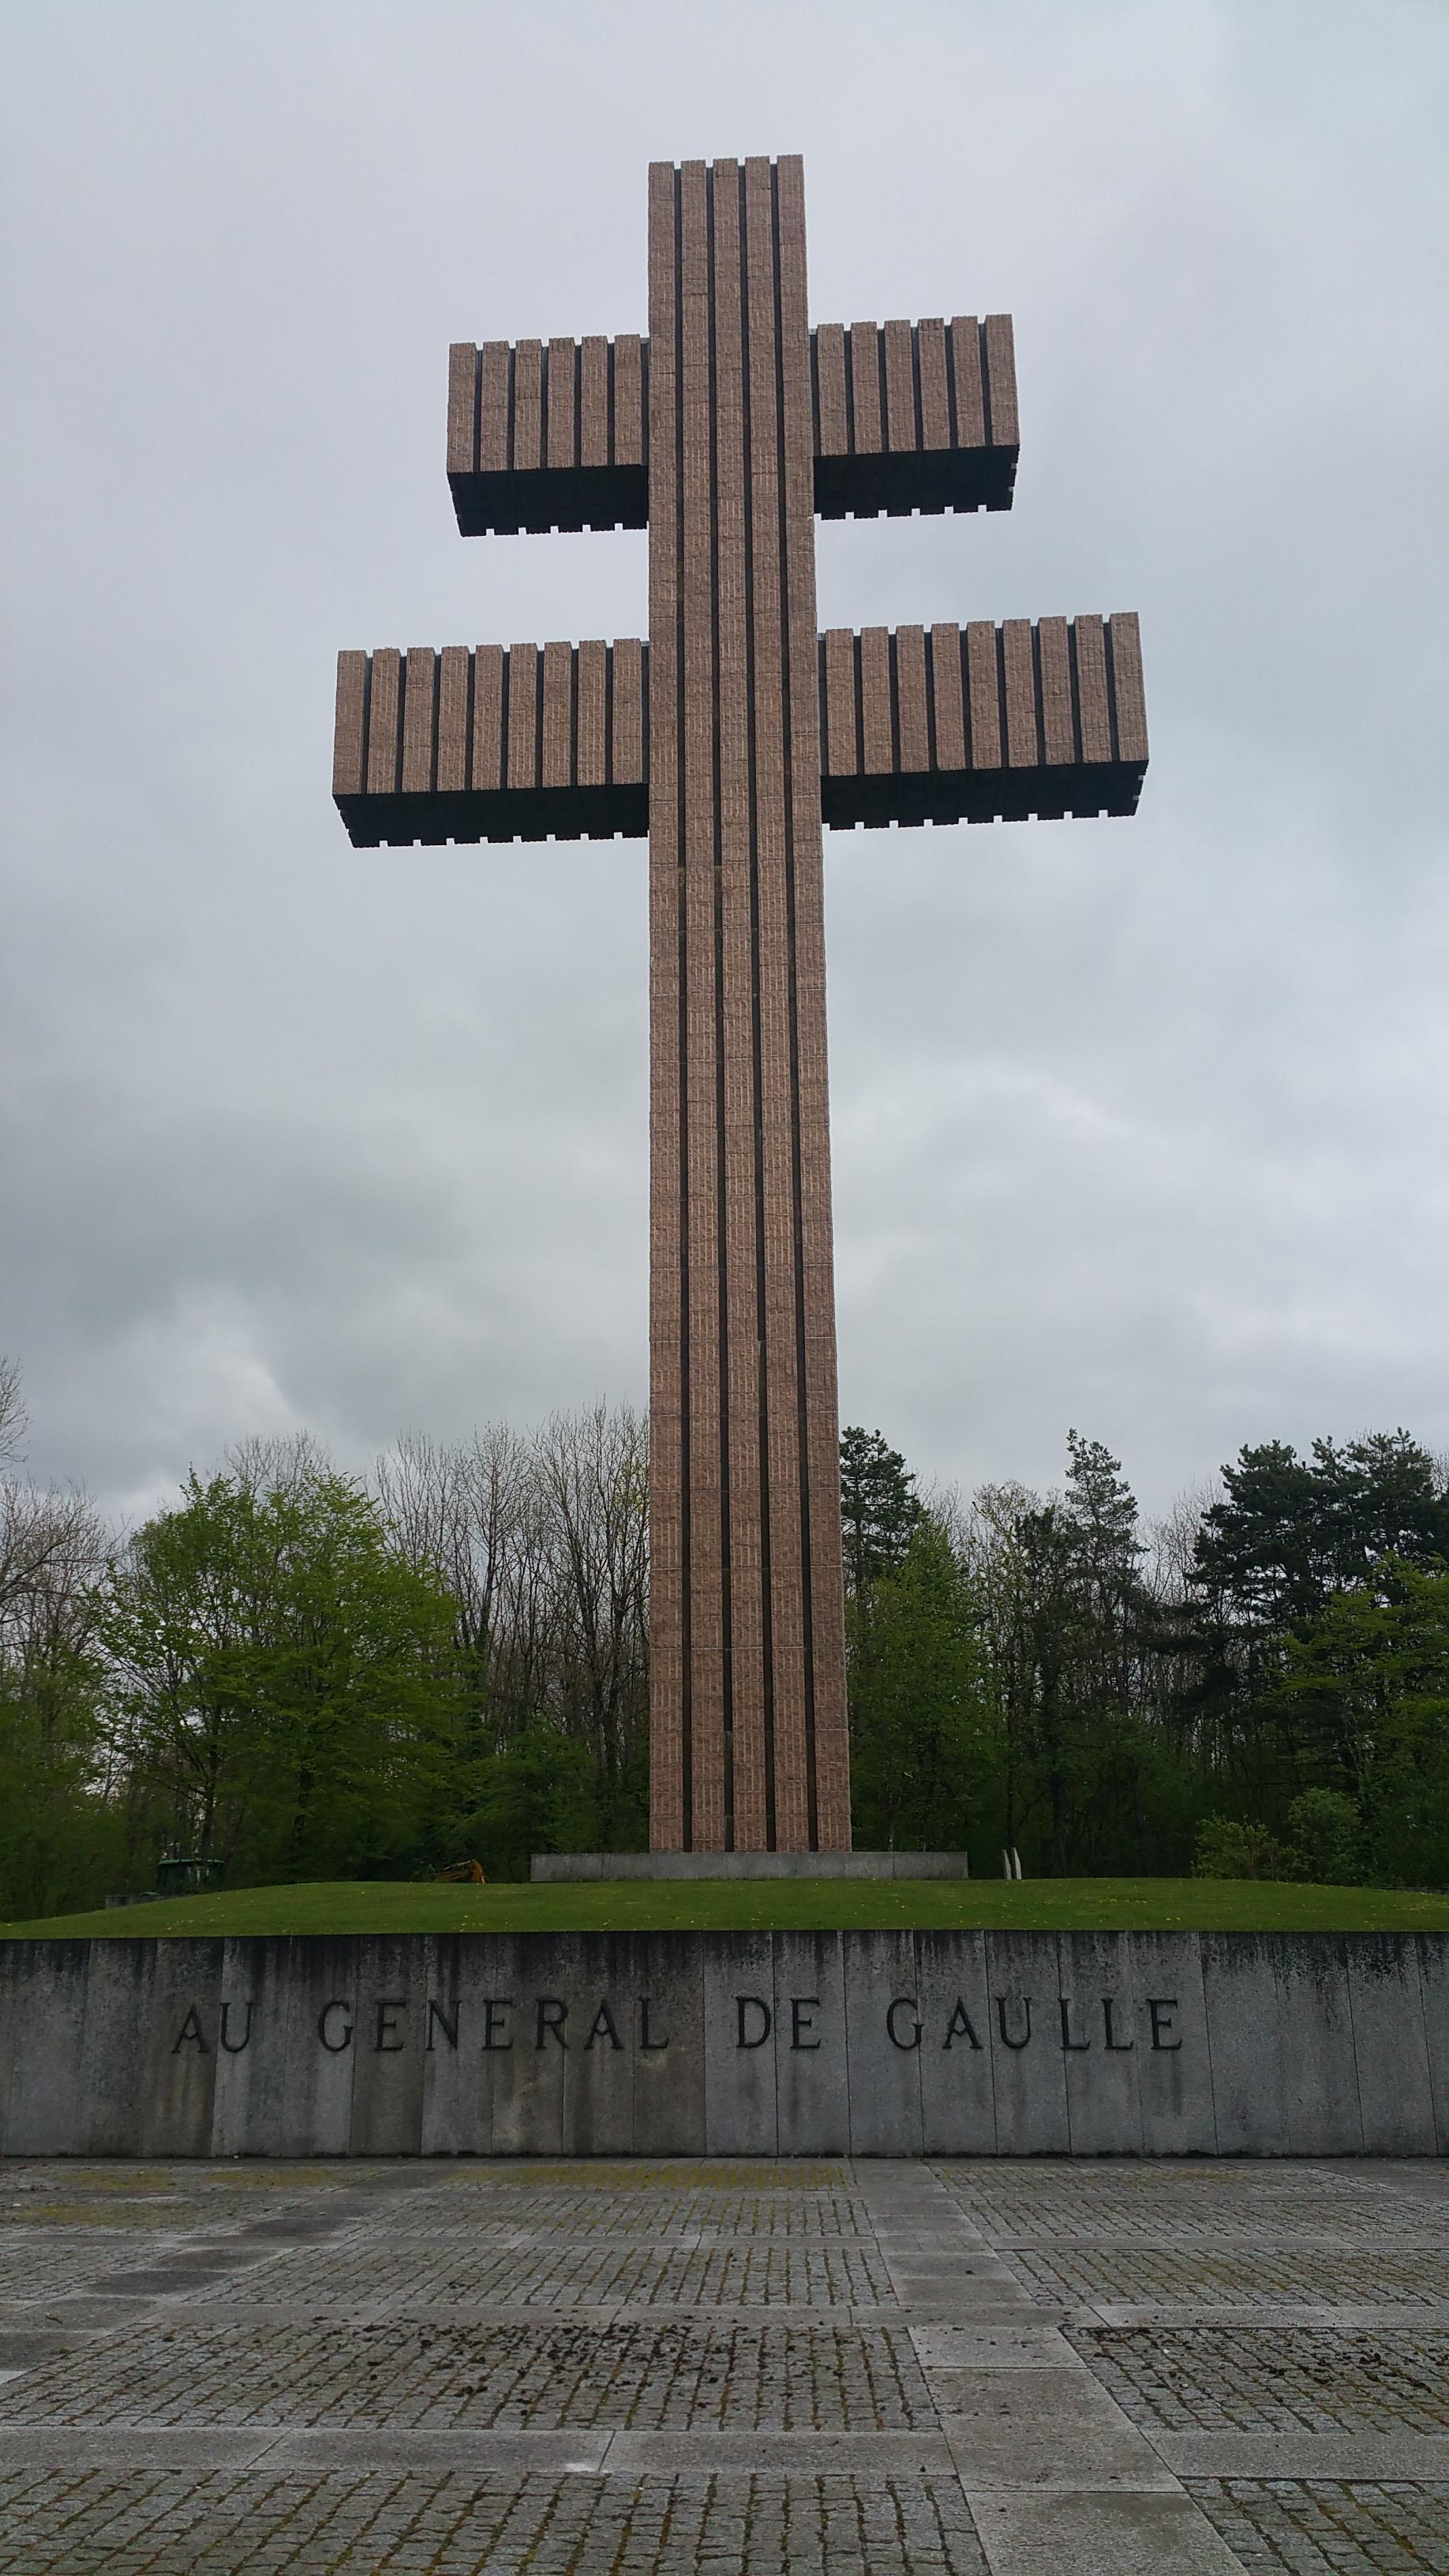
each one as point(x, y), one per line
point(1062, 2534)
point(729, 2369)
point(1418, 2457)
point(1033, 2428)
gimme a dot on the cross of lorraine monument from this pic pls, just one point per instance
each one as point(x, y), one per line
point(731, 738)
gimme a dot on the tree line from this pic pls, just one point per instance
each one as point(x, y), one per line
point(294, 1673)
point(1257, 1686)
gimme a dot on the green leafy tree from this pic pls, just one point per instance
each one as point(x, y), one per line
point(1237, 1847)
point(1367, 1686)
point(921, 1753)
point(1065, 1619)
point(1288, 1538)
point(1325, 1838)
point(62, 1835)
point(283, 1687)
point(539, 1792)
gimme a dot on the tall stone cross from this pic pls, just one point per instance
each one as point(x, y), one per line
point(731, 738)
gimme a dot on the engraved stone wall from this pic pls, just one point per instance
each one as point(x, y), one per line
point(734, 2044)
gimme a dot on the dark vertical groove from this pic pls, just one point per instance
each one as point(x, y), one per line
point(510, 408)
point(543, 413)
point(609, 438)
point(932, 761)
point(609, 717)
point(757, 1072)
point(1116, 738)
point(437, 703)
point(1075, 685)
point(470, 700)
point(814, 394)
point(967, 736)
point(686, 1646)
point(893, 685)
point(721, 1200)
point(999, 642)
point(797, 1189)
point(477, 408)
point(985, 383)
point(951, 410)
point(1038, 697)
point(574, 716)
point(366, 722)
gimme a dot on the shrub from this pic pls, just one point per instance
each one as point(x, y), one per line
point(1325, 1838)
point(1228, 1847)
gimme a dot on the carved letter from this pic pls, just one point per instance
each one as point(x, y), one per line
point(649, 2046)
point(335, 2045)
point(959, 2027)
point(492, 2005)
point(1007, 2039)
point(903, 2003)
point(1165, 2006)
point(1067, 2040)
point(603, 2025)
point(1112, 2039)
point(189, 2035)
point(386, 2037)
point(752, 2003)
point(551, 2017)
point(802, 2016)
point(232, 2046)
point(439, 2018)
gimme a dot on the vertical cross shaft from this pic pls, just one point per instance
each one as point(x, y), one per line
point(748, 1726)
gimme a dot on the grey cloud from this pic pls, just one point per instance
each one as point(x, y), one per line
point(1138, 1126)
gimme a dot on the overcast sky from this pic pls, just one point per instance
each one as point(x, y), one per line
point(1140, 1126)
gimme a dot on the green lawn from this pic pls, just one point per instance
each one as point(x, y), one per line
point(828, 1905)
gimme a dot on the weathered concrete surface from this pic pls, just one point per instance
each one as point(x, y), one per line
point(891, 2044)
point(709, 2368)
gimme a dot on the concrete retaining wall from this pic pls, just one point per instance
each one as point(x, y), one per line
point(728, 2043)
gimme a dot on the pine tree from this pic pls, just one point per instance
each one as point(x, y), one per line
point(879, 1508)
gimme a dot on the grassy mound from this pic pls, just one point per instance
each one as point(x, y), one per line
point(765, 1905)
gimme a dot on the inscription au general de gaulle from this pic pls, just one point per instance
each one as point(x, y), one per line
point(500, 2023)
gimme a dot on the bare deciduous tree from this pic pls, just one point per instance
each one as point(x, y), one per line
point(52, 1545)
point(14, 1421)
point(593, 1470)
point(542, 1541)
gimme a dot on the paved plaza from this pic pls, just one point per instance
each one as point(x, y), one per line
point(865, 2369)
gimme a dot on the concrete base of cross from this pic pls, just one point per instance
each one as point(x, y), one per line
point(562, 1868)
